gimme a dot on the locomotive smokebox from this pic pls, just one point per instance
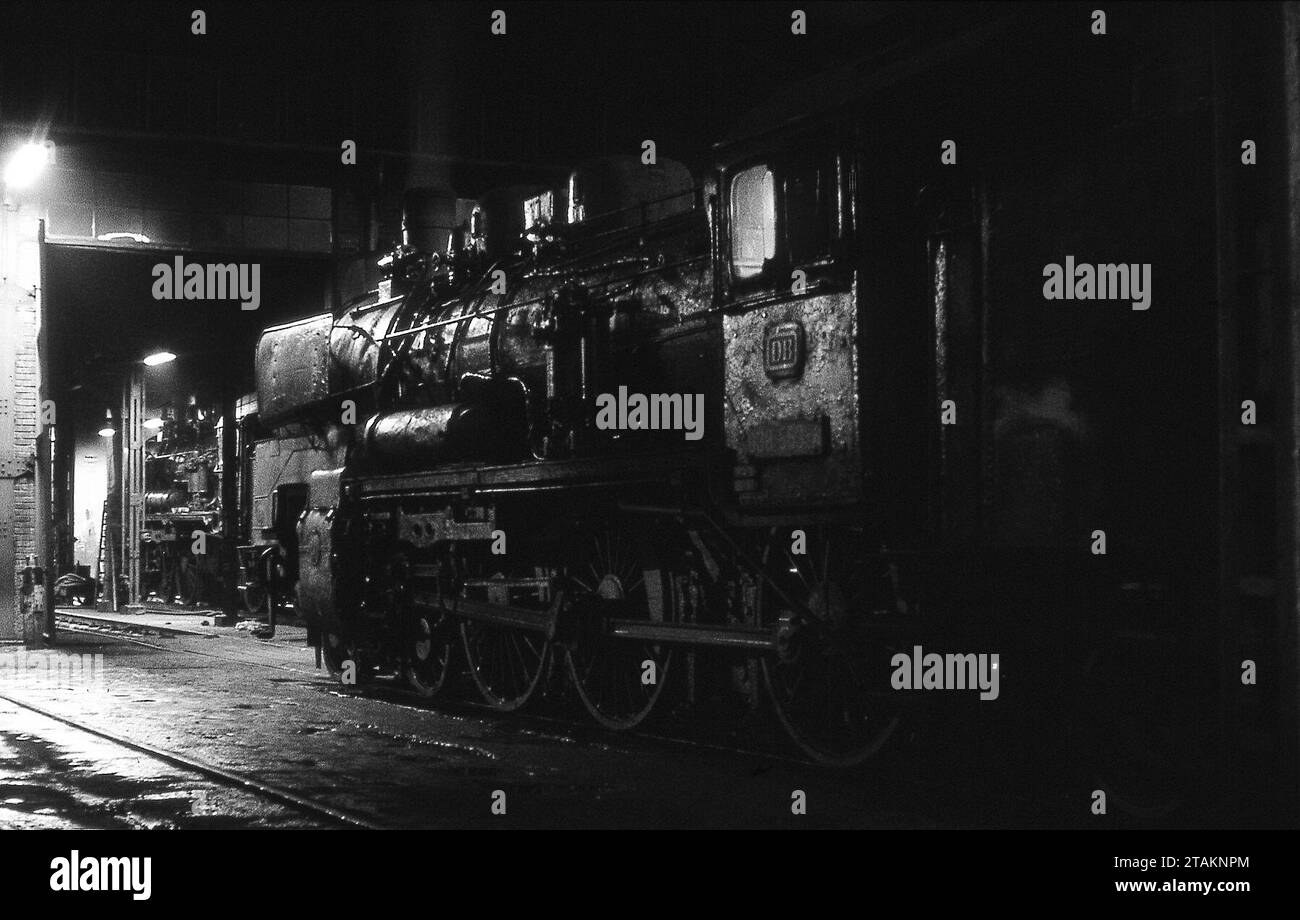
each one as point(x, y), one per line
point(293, 366)
point(428, 219)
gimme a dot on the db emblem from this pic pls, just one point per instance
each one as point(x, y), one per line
point(783, 350)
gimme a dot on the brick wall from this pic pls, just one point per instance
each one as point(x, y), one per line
point(19, 380)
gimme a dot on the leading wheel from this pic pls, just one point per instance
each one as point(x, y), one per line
point(613, 574)
point(829, 678)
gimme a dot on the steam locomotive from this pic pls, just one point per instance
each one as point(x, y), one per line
point(495, 463)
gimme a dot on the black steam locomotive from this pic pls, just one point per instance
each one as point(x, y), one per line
point(775, 429)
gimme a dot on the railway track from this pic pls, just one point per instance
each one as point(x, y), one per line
point(895, 769)
point(261, 789)
point(909, 782)
point(396, 693)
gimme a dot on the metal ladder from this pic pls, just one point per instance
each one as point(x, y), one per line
point(107, 568)
point(103, 530)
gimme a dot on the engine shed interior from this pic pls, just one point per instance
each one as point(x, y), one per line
point(978, 337)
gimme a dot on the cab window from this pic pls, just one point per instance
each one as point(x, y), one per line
point(753, 221)
point(783, 216)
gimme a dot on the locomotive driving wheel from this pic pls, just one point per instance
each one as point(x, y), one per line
point(428, 601)
point(613, 574)
point(506, 663)
point(829, 677)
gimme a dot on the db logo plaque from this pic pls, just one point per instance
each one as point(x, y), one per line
point(783, 351)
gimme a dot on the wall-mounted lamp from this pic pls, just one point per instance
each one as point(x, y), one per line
point(160, 357)
point(26, 164)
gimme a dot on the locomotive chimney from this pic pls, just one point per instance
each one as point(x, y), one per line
point(428, 219)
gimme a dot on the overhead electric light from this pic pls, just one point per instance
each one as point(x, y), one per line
point(107, 431)
point(153, 424)
point(161, 357)
point(124, 235)
point(26, 165)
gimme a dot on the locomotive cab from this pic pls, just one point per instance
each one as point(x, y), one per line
point(787, 290)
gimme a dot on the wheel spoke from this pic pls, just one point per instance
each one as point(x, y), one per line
point(504, 663)
point(605, 671)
